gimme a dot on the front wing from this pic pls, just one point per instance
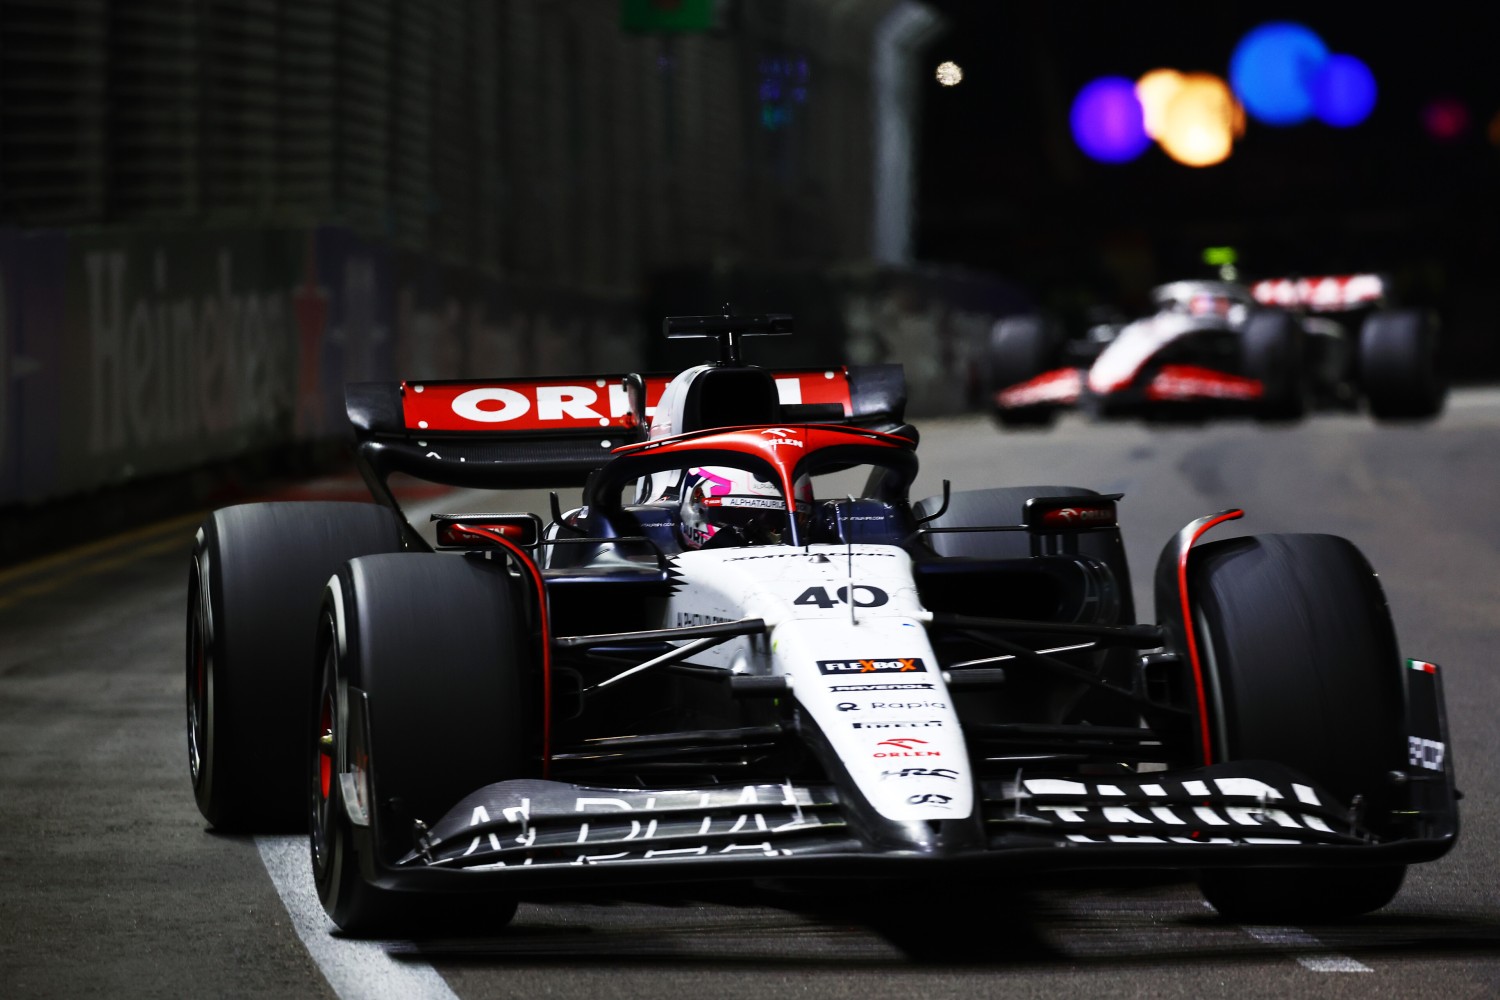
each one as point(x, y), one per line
point(1160, 387)
point(525, 834)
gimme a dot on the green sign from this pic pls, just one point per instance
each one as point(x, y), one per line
point(1220, 256)
point(667, 15)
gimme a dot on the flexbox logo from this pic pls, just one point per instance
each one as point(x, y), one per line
point(906, 665)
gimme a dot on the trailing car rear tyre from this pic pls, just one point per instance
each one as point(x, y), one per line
point(1021, 348)
point(434, 650)
point(1398, 365)
point(1303, 670)
point(256, 576)
point(1273, 352)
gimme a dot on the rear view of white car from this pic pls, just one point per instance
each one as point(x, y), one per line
point(1274, 350)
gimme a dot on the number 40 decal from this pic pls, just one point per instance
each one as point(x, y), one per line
point(864, 597)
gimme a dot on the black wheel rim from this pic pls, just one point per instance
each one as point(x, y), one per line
point(324, 771)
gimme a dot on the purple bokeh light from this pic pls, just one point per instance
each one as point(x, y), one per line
point(1107, 120)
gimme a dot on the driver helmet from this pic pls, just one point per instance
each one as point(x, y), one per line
point(719, 498)
point(1209, 304)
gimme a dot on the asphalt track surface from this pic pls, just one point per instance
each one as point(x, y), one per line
point(110, 885)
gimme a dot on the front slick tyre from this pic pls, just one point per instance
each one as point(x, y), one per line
point(433, 653)
point(1301, 657)
point(1299, 895)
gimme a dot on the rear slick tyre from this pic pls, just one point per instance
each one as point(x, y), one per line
point(257, 573)
point(1272, 346)
point(1020, 349)
point(1398, 365)
point(1302, 668)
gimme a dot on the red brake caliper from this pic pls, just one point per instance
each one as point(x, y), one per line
point(325, 747)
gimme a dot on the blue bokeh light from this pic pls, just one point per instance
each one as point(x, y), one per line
point(1107, 120)
point(1343, 91)
point(1272, 71)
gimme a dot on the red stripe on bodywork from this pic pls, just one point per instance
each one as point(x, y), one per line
point(1190, 630)
point(1059, 387)
point(524, 558)
point(1178, 383)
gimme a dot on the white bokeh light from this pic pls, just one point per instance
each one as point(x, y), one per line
point(949, 74)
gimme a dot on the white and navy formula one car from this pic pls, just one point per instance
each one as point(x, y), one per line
point(1274, 350)
point(748, 654)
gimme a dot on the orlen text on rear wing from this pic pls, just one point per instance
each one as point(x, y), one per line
point(551, 432)
point(1334, 293)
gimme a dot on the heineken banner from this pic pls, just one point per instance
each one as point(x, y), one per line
point(136, 354)
point(132, 355)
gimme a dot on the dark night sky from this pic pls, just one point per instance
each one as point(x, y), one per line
point(1004, 188)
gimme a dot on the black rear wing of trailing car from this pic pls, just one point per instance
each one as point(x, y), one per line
point(537, 433)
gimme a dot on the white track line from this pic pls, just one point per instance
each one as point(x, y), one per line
point(357, 970)
point(1305, 948)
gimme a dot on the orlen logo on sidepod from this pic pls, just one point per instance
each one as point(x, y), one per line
point(904, 746)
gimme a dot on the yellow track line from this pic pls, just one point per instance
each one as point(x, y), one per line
point(94, 567)
point(140, 537)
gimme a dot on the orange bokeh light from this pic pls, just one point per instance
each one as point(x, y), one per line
point(1199, 122)
point(1154, 90)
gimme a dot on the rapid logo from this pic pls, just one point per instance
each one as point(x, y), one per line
point(864, 597)
point(906, 665)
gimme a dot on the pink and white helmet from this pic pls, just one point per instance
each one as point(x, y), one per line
point(714, 498)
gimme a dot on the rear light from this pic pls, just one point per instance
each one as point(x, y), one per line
point(477, 531)
point(1072, 513)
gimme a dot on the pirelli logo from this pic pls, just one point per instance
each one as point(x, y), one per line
point(907, 665)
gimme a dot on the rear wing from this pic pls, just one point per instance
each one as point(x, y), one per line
point(552, 432)
point(1335, 293)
